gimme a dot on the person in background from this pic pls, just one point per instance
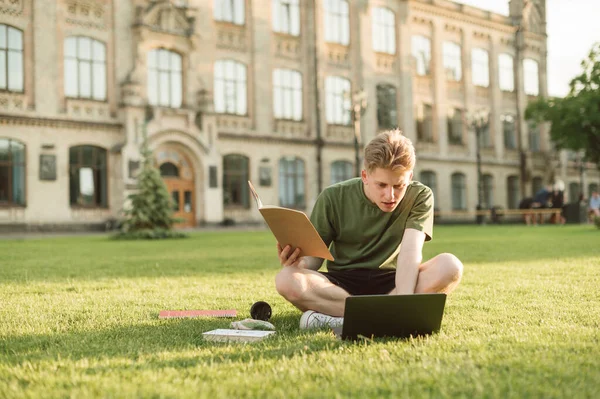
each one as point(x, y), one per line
point(594, 206)
point(558, 201)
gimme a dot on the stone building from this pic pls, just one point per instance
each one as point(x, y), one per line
point(231, 90)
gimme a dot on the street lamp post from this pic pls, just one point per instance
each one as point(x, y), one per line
point(479, 121)
point(359, 105)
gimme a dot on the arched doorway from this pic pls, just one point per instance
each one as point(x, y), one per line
point(178, 175)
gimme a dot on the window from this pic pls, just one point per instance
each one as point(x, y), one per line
point(424, 120)
point(164, 78)
point(506, 72)
point(592, 188)
point(291, 183)
point(459, 192)
point(12, 172)
point(421, 52)
point(488, 191)
point(574, 192)
point(452, 61)
point(531, 77)
point(169, 169)
point(287, 94)
point(384, 30)
point(235, 181)
point(387, 111)
point(337, 95)
point(341, 171)
point(508, 129)
point(230, 11)
point(286, 17)
point(428, 178)
point(337, 22)
point(85, 68)
point(11, 58)
point(512, 192)
point(534, 136)
point(455, 126)
point(87, 176)
point(481, 67)
point(486, 136)
point(230, 90)
point(536, 185)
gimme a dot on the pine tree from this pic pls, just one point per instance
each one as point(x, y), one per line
point(150, 214)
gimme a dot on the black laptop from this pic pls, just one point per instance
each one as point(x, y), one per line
point(400, 316)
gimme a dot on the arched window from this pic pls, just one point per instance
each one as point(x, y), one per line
point(506, 72)
point(169, 169)
point(340, 171)
point(85, 68)
point(488, 191)
point(531, 78)
point(230, 92)
point(165, 78)
point(387, 109)
point(286, 17)
point(337, 106)
point(287, 94)
point(292, 192)
point(508, 129)
point(11, 58)
point(480, 67)
point(88, 182)
point(12, 172)
point(459, 192)
point(512, 192)
point(428, 178)
point(236, 173)
point(384, 30)
point(337, 22)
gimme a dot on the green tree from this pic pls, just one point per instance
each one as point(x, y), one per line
point(575, 119)
point(150, 214)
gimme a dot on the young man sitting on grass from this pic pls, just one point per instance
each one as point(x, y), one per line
point(375, 226)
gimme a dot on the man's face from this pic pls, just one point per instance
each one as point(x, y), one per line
point(386, 187)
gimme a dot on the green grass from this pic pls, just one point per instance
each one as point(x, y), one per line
point(78, 318)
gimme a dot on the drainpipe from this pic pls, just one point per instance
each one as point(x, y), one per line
point(319, 140)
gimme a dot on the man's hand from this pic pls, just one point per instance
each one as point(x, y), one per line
point(289, 258)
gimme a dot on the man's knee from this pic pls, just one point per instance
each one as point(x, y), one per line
point(452, 268)
point(290, 284)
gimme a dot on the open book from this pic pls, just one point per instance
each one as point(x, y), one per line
point(292, 227)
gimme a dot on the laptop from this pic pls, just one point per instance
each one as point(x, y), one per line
point(398, 316)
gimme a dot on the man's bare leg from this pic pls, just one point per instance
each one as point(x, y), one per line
point(441, 273)
point(310, 290)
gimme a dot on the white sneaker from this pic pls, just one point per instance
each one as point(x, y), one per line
point(311, 319)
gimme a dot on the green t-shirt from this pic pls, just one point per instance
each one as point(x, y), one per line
point(359, 234)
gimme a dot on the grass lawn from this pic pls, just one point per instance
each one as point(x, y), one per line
point(78, 318)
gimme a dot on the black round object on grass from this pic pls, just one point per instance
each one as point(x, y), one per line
point(260, 311)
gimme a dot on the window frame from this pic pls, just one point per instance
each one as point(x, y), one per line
point(295, 175)
point(337, 175)
point(432, 178)
point(243, 185)
point(238, 12)
point(20, 56)
point(97, 184)
point(487, 183)
point(287, 91)
point(462, 186)
point(10, 203)
point(506, 83)
point(531, 83)
point(79, 61)
point(338, 108)
point(239, 84)
point(291, 8)
point(513, 137)
point(478, 64)
point(451, 62)
point(337, 22)
point(383, 30)
point(159, 71)
point(455, 122)
point(389, 91)
point(417, 43)
point(512, 192)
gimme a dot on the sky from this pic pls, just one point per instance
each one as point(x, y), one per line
point(572, 27)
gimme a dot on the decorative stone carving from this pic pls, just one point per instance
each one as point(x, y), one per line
point(13, 101)
point(86, 14)
point(232, 37)
point(287, 46)
point(295, 129)
point(233, 122)
point(87, 109)
point(11, 7)
point(164, 16)
point(340, 133)
point(385, 63)
point(338, 55)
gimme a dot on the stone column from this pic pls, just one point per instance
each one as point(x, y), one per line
point(496, 99)
point(406, 106)
point(439, 84)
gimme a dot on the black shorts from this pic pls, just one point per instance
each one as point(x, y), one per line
point(363, 281)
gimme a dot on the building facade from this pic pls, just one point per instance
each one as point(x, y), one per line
point(226, 91)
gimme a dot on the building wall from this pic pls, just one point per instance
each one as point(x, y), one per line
point(49, 123)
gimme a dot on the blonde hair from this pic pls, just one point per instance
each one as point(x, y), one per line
point(390, 150)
